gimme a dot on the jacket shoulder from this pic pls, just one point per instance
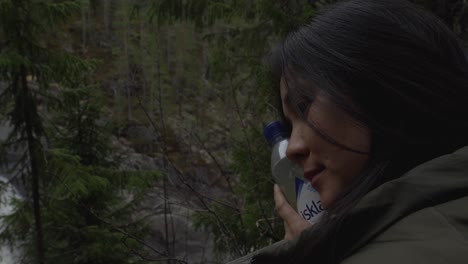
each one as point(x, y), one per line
point(436, 234)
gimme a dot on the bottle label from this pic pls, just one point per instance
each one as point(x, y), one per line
point(309, 205)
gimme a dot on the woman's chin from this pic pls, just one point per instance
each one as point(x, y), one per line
point(326, 199)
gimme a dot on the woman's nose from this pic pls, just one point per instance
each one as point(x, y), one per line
point(297, 149)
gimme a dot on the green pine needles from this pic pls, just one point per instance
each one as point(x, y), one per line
point(78, 207)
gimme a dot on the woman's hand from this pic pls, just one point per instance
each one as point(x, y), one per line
point(294, 224)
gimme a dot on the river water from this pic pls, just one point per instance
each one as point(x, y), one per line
point(8, 192)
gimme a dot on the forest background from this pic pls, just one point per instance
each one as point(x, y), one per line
point(132, 130)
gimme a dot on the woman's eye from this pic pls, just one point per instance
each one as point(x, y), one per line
point(287, 125)
point(288, 128)
point(302, 107)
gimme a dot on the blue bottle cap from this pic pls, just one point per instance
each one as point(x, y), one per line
point(274, 132)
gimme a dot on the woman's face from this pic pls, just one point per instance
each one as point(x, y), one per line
point(329, 168)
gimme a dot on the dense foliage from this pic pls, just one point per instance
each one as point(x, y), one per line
point(78, 207)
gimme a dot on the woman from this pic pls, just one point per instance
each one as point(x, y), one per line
point(376, 95)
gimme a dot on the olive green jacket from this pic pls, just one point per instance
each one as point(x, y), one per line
point(421, 217)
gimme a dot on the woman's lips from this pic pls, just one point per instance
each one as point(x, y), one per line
point(313, 176)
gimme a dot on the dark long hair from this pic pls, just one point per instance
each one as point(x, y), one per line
point(393, 67)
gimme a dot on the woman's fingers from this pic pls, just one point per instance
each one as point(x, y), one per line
point(288, 235)
point(284, 210)
point(294, 224)
point(282, 207)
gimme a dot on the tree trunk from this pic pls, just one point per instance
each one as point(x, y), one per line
point(29, 108)
point(128, 82)
point(84, 27)
point(106, 19)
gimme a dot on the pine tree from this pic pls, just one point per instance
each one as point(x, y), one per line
point(91, 203)
point(79, 206)
point(25, 55)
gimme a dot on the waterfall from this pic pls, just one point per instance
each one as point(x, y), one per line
point(8, 255)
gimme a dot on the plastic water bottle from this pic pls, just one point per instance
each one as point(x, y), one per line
point(290, 177)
